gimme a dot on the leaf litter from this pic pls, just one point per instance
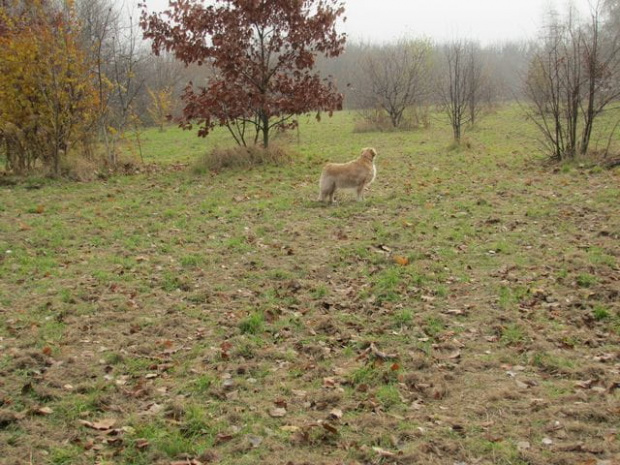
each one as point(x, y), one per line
point(204, 334)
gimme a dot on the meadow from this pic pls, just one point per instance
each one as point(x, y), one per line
point(467, 312)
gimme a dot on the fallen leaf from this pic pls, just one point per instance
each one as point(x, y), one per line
point(521, 384)
point(335, 414)
point(523, 445)
point(329, 427)
point(44, 411)
point(382, 355)
point(101, 425)
point(400, 260)
point(141, 443)
point(254, 441)
point(587, 384)
point(277, 412)
point(221, 438)
point(383, 452)
point(154, 409)
point(290, 428)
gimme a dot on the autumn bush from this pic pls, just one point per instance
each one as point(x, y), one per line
point(242, 157)
point(47, 99)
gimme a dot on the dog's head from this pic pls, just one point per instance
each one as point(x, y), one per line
point(369, 153)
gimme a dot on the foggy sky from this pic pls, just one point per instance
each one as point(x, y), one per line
point(487, 21)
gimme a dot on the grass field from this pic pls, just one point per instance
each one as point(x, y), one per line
point(468, 312)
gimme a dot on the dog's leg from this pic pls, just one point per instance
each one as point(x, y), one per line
point(330, 192)
point(322, 189)
point(326, 190)
point(360, 193)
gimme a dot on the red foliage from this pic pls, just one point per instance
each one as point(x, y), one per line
point(263, 53)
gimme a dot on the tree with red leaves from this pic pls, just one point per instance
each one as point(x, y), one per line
point(262, 54)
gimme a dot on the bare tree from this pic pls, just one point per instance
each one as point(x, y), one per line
point(110, 36)
point(601, 56)
point(460, 83)
point(396, 77)
point(571, 80)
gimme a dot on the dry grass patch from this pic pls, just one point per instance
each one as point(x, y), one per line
point(242, 157)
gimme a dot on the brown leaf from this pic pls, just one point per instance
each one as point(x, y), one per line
point(254, 441)
point(454, 311)
point(141, 443)
point(221, 438)
point(587, 384)
point(383, 452)
point(400, 260)
point(329, 427)
point(101, 425)
point(335, 414)
point(523, 446)
point(382, 355)
point(44, 411)
point(277, 412)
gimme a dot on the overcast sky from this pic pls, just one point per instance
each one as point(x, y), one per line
point(487, 21)
point(484, 20)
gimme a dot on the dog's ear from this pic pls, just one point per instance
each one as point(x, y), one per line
point(369, 152)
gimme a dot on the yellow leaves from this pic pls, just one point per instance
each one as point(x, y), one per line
point(45, 88)
point(161, 105)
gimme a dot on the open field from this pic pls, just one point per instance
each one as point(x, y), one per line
point(468, 312)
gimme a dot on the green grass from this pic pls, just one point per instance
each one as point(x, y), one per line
point(187, 304)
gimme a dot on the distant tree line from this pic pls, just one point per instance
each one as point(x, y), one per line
point(565, 80)
point(76, 75)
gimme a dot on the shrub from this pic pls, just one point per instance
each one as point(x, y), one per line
point(242, 157)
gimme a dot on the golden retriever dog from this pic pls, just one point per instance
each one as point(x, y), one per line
point(356, 174)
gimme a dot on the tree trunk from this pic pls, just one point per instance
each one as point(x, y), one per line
point(264, 127)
